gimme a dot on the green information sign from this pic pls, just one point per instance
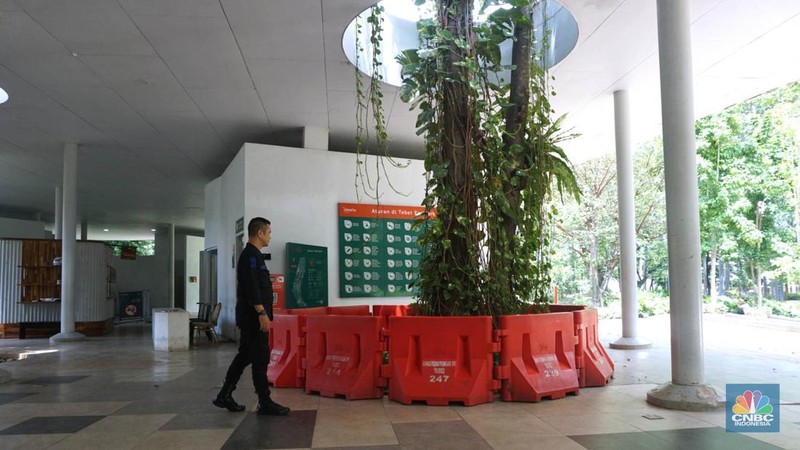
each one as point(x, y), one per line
point(378, 251)
point(306, 275)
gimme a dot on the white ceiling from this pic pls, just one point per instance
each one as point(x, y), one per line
point(161, 94)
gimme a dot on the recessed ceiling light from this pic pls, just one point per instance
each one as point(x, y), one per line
point(105, 229)
point(3, 96)
point(152, 229)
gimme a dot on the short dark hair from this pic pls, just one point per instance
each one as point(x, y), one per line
point(256, 224)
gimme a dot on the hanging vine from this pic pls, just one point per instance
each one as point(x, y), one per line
point(492, 157)
point(369, 108)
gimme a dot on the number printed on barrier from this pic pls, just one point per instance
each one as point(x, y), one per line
point(334, 363)
point(438, 378)
point(439, 369)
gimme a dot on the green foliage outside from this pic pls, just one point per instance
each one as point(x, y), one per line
point(587, 233)
point(143, 248)
point(749, 187)
point(749, 169)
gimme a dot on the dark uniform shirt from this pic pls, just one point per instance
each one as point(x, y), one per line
point(253, 287)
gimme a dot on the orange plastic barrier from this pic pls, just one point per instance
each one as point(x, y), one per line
point(390, 310)
point(315, 311)
point(344, 356)
point(438, 360)
point(287, 349)
point(595, 367)
point(594, 364)
point(350, 310)
point(537, 357)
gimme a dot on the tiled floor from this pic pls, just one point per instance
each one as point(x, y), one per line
point(116, 392)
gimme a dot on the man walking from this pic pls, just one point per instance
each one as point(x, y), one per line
point(253, 316)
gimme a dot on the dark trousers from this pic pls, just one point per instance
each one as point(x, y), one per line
point(253, 350)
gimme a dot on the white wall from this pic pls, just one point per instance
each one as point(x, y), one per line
point(22, 229)
point(213, 212)
point(194, 245)
point(298, 191)
point(225, 204)
point(145, 273)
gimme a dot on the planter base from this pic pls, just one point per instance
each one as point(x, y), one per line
point(700, 397)
point(630, 343)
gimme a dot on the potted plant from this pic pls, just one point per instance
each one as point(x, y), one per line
point(495, 170)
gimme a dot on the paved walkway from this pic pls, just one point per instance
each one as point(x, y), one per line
point(116, 392)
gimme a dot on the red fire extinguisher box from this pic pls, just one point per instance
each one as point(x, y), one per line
point(278, 290)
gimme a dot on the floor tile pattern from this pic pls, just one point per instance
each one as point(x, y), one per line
point(116, 392)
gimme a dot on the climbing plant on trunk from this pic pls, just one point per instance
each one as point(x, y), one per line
point(492, 157)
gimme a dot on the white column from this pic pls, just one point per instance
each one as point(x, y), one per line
point(627, 226)
point(59, 214)
point(172, 265)
point(68, 244)
point(687, 390)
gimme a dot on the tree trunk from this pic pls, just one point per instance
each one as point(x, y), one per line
point(704, 272)
point(755, 277)
point(603, 287)
point(641, 271)
point(516, 123)
point(593, 276)
point(712, 276)
point(456, 16)
point(760, 296)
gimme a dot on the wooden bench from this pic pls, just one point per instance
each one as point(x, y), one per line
point(23, 327)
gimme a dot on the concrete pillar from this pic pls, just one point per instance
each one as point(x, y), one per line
point(68, 247)
point(84, 230)
point(627, 226)
point(687, 390)
point(58, 226)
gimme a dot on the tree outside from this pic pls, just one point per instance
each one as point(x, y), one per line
point(143, 248)
point(748, 160)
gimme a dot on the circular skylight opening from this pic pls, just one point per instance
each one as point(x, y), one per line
point(3, 96)
point(400, 33)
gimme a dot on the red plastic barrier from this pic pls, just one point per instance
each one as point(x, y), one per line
point(350, 310)
point(287, 349)
point(315, 311)
point(390, 310)
point(594, 364)
point(344, 356)
point(537, 357)
point(438, 360)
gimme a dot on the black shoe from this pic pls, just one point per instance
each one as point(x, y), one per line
point(225, 399)
point(269, 408)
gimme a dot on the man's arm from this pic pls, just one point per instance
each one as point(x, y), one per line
point(253, 292)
